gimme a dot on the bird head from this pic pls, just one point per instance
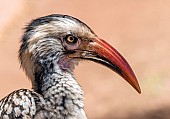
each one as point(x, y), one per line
point(65, 40)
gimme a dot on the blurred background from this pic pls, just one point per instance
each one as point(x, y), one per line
point(139, 30)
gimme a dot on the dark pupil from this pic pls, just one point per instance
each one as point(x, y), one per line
point(71, 38)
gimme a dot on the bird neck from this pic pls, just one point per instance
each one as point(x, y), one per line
point(59, 88)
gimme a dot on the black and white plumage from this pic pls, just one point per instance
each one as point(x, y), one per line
point(50, 48)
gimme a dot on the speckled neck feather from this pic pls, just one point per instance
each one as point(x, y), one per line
point(59, 89)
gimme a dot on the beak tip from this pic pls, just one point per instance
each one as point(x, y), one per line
point(139, 90)
point(132, 80)
point(136, 86)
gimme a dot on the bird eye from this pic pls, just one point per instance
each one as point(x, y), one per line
point(71, 39)
point(71, 42)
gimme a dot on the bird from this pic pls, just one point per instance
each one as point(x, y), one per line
point(51, 47)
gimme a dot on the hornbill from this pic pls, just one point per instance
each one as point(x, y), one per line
point(50, 48)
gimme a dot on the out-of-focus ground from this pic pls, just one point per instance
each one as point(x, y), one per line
point(140, 30)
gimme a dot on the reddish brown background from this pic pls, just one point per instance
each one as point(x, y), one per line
point(139, 29)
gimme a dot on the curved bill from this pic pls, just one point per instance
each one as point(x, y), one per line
point(103, 53)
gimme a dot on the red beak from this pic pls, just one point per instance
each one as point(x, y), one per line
point(110, 57)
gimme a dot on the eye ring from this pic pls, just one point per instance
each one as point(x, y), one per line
point(71, 39)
